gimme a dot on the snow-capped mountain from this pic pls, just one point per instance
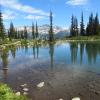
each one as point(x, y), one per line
point(43, 29)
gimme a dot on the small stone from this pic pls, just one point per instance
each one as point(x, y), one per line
point(76, 98)
point(18, 93)
point(25, 89)
point(40, 85)
point(25, 93)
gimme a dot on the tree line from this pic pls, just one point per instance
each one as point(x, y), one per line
point(13, 33)
point(92, 28)
point(22, 34)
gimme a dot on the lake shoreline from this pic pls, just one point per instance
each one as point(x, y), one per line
point(32, 42)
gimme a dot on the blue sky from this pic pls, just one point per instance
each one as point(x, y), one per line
point(24, 12)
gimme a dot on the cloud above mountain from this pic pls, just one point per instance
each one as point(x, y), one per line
point(15, 6)
point(77, 2)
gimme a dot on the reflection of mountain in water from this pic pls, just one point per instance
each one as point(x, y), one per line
point(79, 52)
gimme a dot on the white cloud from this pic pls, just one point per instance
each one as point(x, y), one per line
point(15, 4)
point(8, 14)
point(76, 2)
point(34, 17)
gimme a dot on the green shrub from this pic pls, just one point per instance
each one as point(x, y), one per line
point(7, 94)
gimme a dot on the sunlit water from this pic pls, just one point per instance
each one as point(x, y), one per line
point(68, 70)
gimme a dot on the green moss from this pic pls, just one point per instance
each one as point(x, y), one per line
point(7, 94)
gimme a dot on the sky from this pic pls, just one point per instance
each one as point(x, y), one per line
point(24, 12)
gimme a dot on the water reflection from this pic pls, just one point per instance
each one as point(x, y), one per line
point(80, 53)
point(82, 46)
point(13, 51)
point(4, 57)
point(73, 50)
point(51, 53)
point(35, 50)
point(92, 50)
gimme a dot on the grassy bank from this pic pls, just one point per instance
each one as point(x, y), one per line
point(7, 94)
point(84, 38)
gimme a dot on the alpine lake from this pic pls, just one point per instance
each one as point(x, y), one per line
point(68, 69)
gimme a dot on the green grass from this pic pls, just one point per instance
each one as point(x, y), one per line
point(7, 94)
point(89, 38)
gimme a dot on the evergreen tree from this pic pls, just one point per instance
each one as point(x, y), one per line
point(96, 25)
point(74, 26)
point(16, 34)
point(37, 34)
point(25, 33)
point(90, 26)
point(2, 30)
point(22, 34)
point(82, 30)
point(33, 33)
point(51, 35)
point(11, 31)
point(87, 29)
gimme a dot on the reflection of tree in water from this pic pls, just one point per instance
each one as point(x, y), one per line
point(92, 50)
point(81, 52)
point(13, 51)
point(4, 57)
point(36, 51)
point(26, 48)
point(37, 48)
point(51, 52)
point(73, 50)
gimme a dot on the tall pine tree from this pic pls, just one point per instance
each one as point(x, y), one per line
point(96, 25)
point(25, 33)
point(2, 30)
point(11, 31)
point(74, 26)
point(90, 26)
point(82, 30)
point(33, 33)
point(51, 34)
point(36, 32)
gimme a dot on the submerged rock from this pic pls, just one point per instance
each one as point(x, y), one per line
point(25, 89)
point(40, 85)
point(24, 85)
point(76, 98)
point(18, 93)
